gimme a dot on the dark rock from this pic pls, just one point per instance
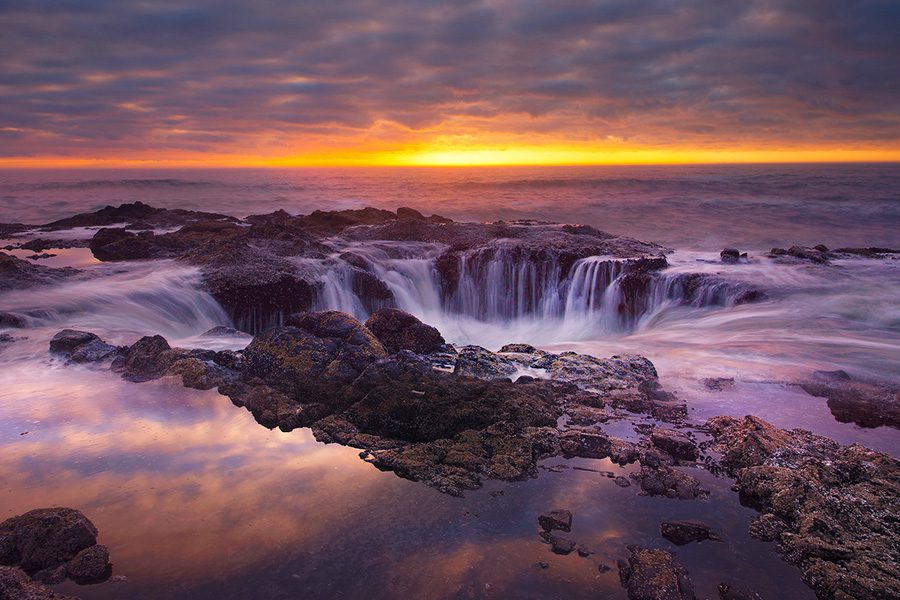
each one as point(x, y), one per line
point(729, 591)
point(91, 565)
point(222, 331)
point(662, 480)
point(17, 585)
point(560, 545)
point(871, 252)
point(622, 482)
point(719, 384)
point(12, 320)
point(45, 538)
point(16, 273)
point(831, 508)
point(675, 443)
point(556, 519)
point(654, 574)
point(148, 358)
point(317, 356)
point(868, 404)
point(398, 330)
point(68, 340)
point(475, 361)
point(730, 255)
point(799, 254)
point(685, 532)
point(133, 213)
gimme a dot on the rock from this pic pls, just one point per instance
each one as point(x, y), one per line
point(148, 358)
point(45, 538)
point(317, 356)
point(675, 443)
point(728, 591)
point(684, 532)
point(16, 274)
point(475, 361)
point(868, 404)
point(799, 254)
point(622, 482)
point(398, 330)
point(68, 340)
point(871, 252)
point(134, 213)
point(91, 565)
point(561, 545)
point(662, 480)
point(17, 585)
point(223, 331)
point(654, 574)
point(730, 255)
point(12, 320)
point(556, 519)
point(719, 384)
point(831, 508)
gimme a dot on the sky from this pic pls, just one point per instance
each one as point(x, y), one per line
point(278, 83)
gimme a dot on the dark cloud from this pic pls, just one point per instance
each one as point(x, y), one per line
point(158, 75)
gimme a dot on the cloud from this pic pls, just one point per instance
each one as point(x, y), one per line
point(267, 76)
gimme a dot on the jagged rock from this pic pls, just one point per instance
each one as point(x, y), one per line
point(475, 361)
point(398, 330)
point(16, 273)
point(719, 384)
point(560, 545)
point(316, 357)
point(675, 443)
point(832, 508)
point(556, 519)
point(81, 346)
point(654, 574)
point(17, 585)
point(134, 213)
point(685, 532)
point(45, 538)
point(662, 480)
point(871, 252)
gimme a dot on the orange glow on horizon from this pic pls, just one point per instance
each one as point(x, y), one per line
point(434, 156)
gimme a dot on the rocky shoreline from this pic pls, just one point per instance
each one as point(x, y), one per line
point(453, 417)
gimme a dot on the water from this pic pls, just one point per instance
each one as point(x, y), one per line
point(195, 500)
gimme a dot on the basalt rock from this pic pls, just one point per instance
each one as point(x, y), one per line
point(800, 254)
point(654, 574)
point(730, 591)
point(675, 443)
point(831, 508)
point(398, 330)
point(16, 273)
point(12, 320)
point(54, 539)
point(556, 519)
point(730, 255)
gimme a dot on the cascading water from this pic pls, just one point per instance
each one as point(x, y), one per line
point(501, 290)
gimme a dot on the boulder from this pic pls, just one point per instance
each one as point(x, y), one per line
point(16, 274)
point(148, 358)
point(730, 255)
point(866, 403)
point(654, 574)
point(398, 330)
point(45, 538)
point(81, 346)
point(12, 320)
point(91, 565)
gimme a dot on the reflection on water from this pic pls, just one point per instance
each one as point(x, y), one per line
point(196, 500)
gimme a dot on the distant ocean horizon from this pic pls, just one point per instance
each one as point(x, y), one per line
point(698, 207)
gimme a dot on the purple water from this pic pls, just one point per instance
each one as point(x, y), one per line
point(195, 500)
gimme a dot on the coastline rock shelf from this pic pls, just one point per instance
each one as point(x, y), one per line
point(265, 267)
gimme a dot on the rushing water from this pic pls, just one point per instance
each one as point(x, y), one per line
point(196, 500)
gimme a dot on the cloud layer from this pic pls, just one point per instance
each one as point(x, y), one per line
point(145, 78)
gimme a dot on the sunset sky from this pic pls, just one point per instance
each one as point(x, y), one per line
point(262, 82)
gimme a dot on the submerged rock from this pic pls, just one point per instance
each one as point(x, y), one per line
point(729, 591)
point(685, 532)
point(654, 574)
point(556, 519)
point(831, 508)
point(675, 443)
point(730, 255)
